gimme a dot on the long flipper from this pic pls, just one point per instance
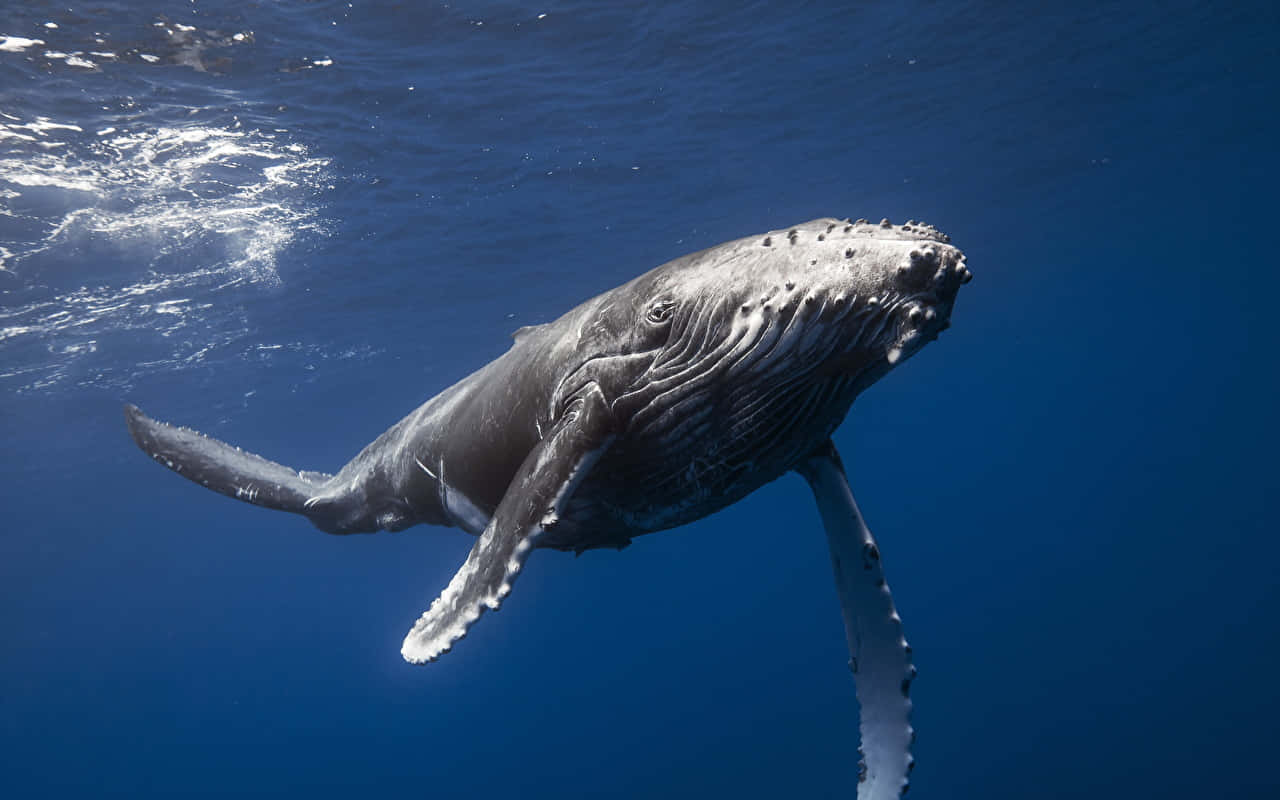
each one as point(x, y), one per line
point(530, 507)
point(219, 466)
point(881, 658)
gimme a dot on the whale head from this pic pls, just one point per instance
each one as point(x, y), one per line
point(726, 368)
point(828, 297)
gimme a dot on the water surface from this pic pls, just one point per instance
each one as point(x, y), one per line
point(288, 224)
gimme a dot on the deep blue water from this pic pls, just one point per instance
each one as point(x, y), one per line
point(287, 224)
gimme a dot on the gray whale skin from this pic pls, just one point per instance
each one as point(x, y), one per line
point(649, 406)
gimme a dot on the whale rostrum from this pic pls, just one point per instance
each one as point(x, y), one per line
point(644, 408)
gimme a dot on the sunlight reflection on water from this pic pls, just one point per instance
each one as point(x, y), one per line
point(141, 229)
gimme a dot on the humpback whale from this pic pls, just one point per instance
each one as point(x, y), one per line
point(646, 407)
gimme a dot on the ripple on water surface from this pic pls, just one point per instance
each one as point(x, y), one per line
point(139, 235)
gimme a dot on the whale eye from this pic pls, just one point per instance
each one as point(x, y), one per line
point(661, 311)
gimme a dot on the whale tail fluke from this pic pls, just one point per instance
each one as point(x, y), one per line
point(223, 468)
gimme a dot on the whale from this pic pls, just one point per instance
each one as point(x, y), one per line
point(644, 408)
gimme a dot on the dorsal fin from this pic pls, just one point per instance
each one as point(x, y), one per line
point(524, 331)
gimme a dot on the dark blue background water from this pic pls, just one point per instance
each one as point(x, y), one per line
point(288, 224)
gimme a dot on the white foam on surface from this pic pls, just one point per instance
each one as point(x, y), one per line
point(128, 234)
point(16, 44)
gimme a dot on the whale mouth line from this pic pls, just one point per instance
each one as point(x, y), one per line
point(922, 324)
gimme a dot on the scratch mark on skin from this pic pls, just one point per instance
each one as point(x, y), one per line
point(424, 467)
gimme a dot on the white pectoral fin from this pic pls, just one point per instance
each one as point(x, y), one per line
point(881, 659)
point(531, 505)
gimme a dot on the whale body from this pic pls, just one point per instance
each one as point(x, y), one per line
point(644, 408)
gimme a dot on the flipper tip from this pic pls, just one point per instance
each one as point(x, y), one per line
point(421, 647)
point(136, 422)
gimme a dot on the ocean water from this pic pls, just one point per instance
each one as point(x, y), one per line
point(288, 224)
